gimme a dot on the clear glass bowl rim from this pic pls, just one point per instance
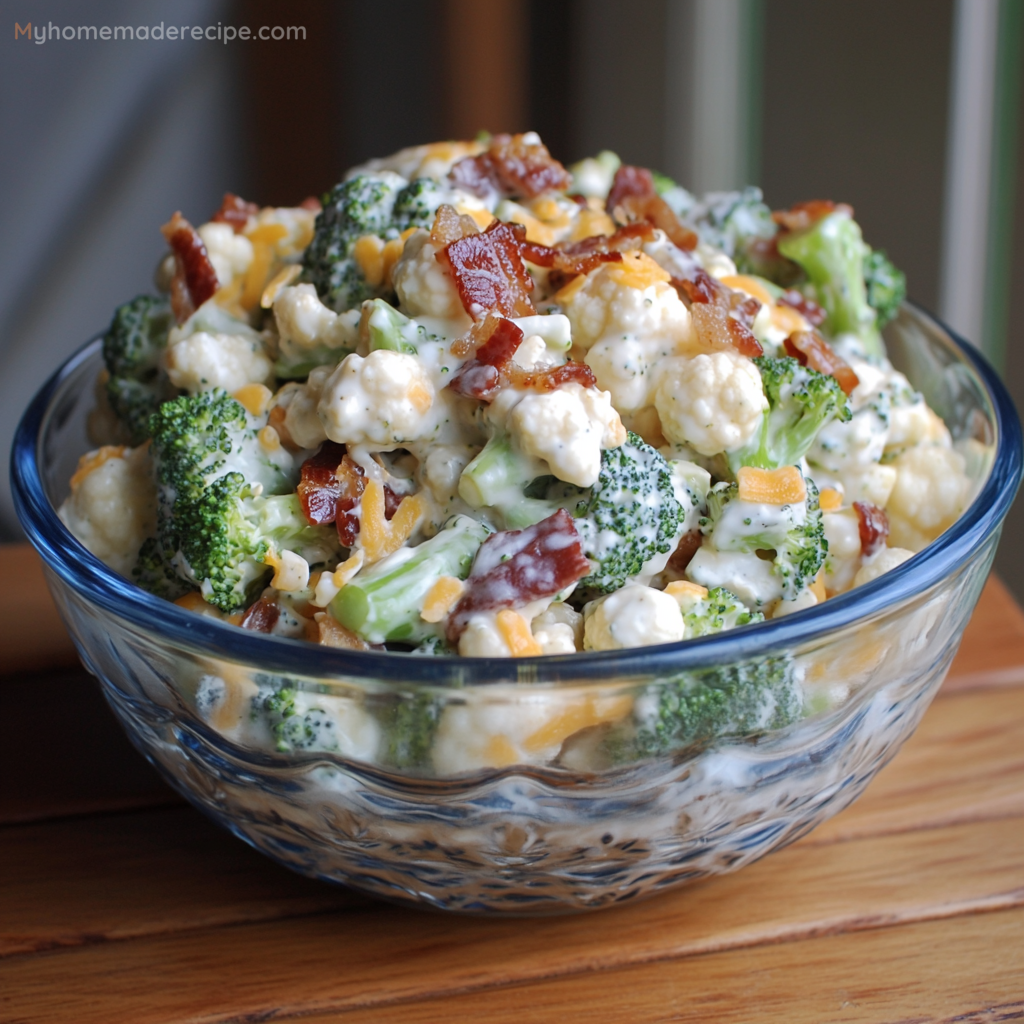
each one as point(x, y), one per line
point(87, 575)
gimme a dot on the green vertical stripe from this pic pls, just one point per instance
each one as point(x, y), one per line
point(1002, 188)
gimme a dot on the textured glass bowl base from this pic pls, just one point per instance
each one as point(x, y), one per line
point(542, 841)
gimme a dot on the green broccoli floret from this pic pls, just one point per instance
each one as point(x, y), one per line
point(386, 328)
point(417, 203)
point(136, 337)
point(629, 517)
point(154, 572)
point(364, 205)
point(594, 175)
point(719, 610)
point(224, 502)
point(293, 723)
point(832, 253)
point(735, 222)
point(697, 708)
point(409, 727)
point(793, 536)
point(886, 286)
point(801, 402)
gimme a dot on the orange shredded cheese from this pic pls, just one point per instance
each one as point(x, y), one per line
point(193, 602)
point(269, 438)
point(441, 597)
point(500, 752)
point(344, 573)
point(783, 486)
point(830, 500)
point(281, 279)
point(785, 318)
point(93, 460)
point(263, 240)
point(254, 397)
point(368, 252)
point(583, 715)
point(481, 217)
point(679, 588)
point(749, 286)
point(379, 537)
point(591, 222)
point(516, 632)
point(637, 270)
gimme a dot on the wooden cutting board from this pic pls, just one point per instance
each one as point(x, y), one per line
point(120, 903)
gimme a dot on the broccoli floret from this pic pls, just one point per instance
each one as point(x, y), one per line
point(735, 222)
point(409, 726)
point(793, 536)
point(154, 572)
point(224, 502)
point(293, 724)
point(832, 253)
point(697, 708)
point(417, 203)
point(801, 402)
point(364, 205)
point(886, 286)
point(718, 610)
point(131, 352)
point(631, 516)
point(594, 175)
point(384, 327)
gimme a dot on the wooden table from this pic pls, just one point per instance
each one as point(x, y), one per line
point(120, 903)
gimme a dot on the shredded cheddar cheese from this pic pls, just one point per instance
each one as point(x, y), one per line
point(263, 240)
point(568, 291)
point(281, 279)
point(515, 631)
point(783, 486)
point(588, 712)
point(379, 537)
point(255, 398)
point(678, 588)
point(368, 252)
point(269, 438)
point(830, 500)
point(441, 598)
point(637, 270)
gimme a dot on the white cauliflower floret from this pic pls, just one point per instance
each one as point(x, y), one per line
point(842, 531)
point(384, 398)
point(712, 402)
point(204, 361)
point(229, 253)
point(635, 616)
point(608, 306)
point(567, 428)
point(112, 505)
point(557, 638)
point(554, 621)
point(930, 493)
point(628, 369)
point(424, 287)
point(304, 322)
point(482, 639)
point(750, 578)
point(879, 563)
point(300, 402)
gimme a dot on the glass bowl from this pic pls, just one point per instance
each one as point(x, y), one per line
point(533, 822)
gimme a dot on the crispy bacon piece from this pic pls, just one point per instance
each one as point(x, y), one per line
point(548, 380)
point(235, 211)
point(684, 552)
point(744, 309)
point(721, 317)
point(801, 216)
point(262, 616)
point(194, 280)
point(742, 338)
point(512, 167)
point(700, 288)
point(352, 478)
point(633, 197)
point(873, 525)
point(567, 263)
point(489, 271)
point(518, 566)
point(320, 487)
point(487, 372)
point(810, 311)
point(813, 351)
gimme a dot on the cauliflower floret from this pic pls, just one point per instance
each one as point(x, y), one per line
point(385, 398)
point(204, 361)
point(558, 638)
point(112, 505)
point(750, 578)
point(304, 322)
point(482, 639)
point(627, 367)
point(554, 620)
point(842, 531)
point(517, 727)
point(424, 287)
point(881, 562)
point(229, 253)
point(300, 402)
point(930, 493)
point(635, 616)
point(618, 300)
point(567, 428)
point(712, 402)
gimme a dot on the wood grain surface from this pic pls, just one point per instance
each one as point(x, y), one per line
point(120, 903)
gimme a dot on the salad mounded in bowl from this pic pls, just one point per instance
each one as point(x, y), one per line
point(473, 403)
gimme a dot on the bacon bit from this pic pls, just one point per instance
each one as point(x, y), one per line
point(235, 211)
point(311, 203)
point(702, 288)
point(721, 317)
point(801, 216)
point(449, 226)
point(810, 349)
point(810, 311)
point(687, 547)
point(262, 616)
point(566, 262)
point(750, 285)
point(320, 487)
point(625, 238)
point(489, 271)
point(873, 525)
point(513, 168)
point(332, 633)
point(552, 379)
point(353, 482)
point(744, 310)
point(194, 280)
point(782, 486)
point(633, 197)
point(742, 338)
point(497, 340)
point(518, 566)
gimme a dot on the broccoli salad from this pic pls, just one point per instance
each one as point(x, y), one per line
point(475, 403)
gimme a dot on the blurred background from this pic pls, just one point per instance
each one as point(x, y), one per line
point(906, 109)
